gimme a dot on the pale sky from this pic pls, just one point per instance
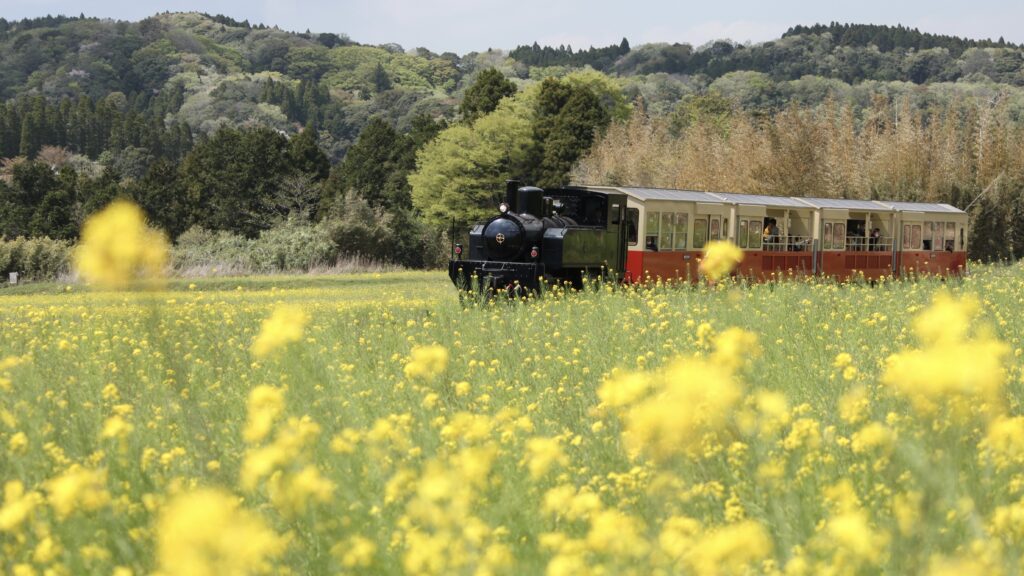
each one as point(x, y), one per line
point(474, 25)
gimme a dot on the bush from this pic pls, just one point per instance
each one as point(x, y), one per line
point(35, 258)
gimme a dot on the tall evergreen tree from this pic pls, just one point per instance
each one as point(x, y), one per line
point(484, 95)
point(305, 155)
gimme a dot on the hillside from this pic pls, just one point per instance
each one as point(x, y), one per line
point(158, 110)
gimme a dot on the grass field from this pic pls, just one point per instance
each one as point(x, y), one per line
point(377, 425)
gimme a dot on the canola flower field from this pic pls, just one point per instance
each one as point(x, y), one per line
point(375, 424)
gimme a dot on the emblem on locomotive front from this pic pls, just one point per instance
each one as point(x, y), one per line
point(499, 238)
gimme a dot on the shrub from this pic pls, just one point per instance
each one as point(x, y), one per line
point(35, 258)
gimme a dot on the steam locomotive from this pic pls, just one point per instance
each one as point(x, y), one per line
point(553, 236)
point(641, 234)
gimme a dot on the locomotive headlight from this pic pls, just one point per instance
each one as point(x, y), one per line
point(534, 253)
point(503, 208)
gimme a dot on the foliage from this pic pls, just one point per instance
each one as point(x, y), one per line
point(37, 258)
point(460, 174)
point(483, 96)
point(597, 58)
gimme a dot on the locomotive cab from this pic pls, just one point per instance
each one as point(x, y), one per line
point(558, 235)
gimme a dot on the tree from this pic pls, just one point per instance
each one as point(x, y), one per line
point(305, 155)
point(368, 164)
point(381, 82)
point(227, 177)
point(567, 120)
point(461, 174)
point(162, 197)
point(484, 95)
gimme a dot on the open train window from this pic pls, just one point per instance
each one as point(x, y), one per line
point(632, 225)
point(584, 210)
point(926, 240)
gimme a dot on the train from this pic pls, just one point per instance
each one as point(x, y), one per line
point(634, 234)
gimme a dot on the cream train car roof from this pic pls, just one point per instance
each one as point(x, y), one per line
point(781, 201)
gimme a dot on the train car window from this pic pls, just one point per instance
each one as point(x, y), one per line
point(743, 233)
point(926, 240)
point(950, 236)
point(716, 228)
point(651, 232)
point(961, 237)
point(615, 214)
point(584, 210)
point(632, 225)
point(826, 237)
point(937, 235)
point(668, 226)
point(680, 234)
point(839, 236)
point(755, 230)
point(906, 236)
point(700, 232)
point(915, 237)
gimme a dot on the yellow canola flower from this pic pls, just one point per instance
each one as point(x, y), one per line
point(78, 489)
point(1004, 442)
point(116, 427)
point(946, 321)
point(720, 257)
point(266, 403)
point(285, 326)
point(205, 533)
point(950, 367)
point(18, 505)
point(695, 397)
point(856, 542)
point(427, 362)
point(18, 443)
point(732, 549)
point(117, 248)
point(290, 445)
point(735, 347)
point(542, 454)
point(292, 493)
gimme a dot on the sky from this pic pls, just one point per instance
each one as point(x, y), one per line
point(463, 26)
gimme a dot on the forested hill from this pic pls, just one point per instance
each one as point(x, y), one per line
point(225, 125)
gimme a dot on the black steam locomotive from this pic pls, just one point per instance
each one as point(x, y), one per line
point(544, 236)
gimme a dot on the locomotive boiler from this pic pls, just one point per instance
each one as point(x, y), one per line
point(561, 235)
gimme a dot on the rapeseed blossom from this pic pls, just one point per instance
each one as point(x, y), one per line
point(692, 397)
point(427, 362)
point(17, 505)
point(266, 403)
point(117, 248)
point(720, 257)
point(78, 488)
point(950, 367)
point(284, 326)
point(207, 533)
point(639, 430)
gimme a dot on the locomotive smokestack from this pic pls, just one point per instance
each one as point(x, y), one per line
point(511, 186)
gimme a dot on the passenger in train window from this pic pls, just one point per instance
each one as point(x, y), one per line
point(651, 244)
point(876, 237)
point(949, 245)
